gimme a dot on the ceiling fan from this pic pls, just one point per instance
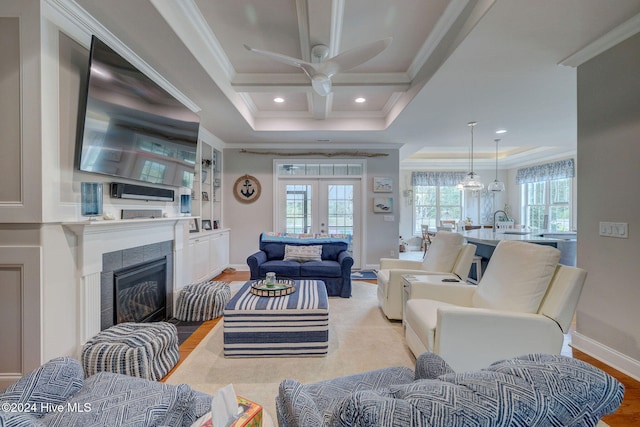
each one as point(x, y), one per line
point(322, 69)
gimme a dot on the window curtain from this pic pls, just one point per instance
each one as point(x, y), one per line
point(547, 172)
point(437, 178)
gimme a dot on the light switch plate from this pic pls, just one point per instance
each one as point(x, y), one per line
point(614, 229)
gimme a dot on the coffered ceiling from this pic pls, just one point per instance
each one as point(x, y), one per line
point(504, 63)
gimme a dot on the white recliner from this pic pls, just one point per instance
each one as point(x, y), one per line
point(523, 304)
point(448, 254)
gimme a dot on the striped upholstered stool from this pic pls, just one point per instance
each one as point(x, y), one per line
point(202, 301)
point(145, 350)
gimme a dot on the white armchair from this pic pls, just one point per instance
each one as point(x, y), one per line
point(448, 254)
point(523, 304)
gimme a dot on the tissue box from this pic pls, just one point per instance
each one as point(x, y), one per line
point(251, 414)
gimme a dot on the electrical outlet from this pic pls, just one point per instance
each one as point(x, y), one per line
point(392, 252)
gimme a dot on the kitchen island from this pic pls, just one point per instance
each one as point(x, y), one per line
point(487, 239)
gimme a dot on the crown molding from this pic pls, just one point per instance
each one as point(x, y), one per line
point(607, 41)
point(79, 17)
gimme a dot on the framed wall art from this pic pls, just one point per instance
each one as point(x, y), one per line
point(383, 204)
point(247, 189)
point(382, 185)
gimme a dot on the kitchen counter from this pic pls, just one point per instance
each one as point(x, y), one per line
point(486, 241)
point(488, 236)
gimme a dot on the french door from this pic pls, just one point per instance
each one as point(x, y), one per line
point(321, 205)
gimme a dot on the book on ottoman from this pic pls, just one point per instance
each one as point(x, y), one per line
point(251, 415)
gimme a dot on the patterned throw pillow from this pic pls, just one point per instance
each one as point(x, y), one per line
point(303, 253)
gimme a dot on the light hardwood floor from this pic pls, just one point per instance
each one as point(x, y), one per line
point(627, 415)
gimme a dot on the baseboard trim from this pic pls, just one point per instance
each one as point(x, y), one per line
point(240, 267)
point(607, 355)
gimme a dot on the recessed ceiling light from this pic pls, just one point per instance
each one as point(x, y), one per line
point(360, 100)
point(278, 100)
point(501, 131)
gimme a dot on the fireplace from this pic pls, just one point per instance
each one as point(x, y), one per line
point(140, 292)
point(137, 284)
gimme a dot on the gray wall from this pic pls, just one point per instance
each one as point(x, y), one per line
point(609, 159)
point(247, 221)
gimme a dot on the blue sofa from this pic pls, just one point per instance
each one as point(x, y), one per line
point(531, 390)
point(334, 268)
point(58, 394)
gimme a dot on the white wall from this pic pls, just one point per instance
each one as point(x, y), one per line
point(609, 172)
point(247, 221)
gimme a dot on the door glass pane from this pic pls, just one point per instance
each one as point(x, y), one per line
point(340, 209)
point(298, 209)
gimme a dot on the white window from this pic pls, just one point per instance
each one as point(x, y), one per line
point(547, 204)
point(433, 203)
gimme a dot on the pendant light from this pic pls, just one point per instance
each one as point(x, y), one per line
point(472, 180)
point(496, 186)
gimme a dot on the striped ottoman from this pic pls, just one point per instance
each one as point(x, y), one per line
point(145, 350)
point(291, 325)
point(202, 301)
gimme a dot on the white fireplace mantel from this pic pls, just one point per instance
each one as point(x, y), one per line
point(96, 238)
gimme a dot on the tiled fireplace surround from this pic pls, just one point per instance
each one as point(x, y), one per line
point(133, 241)
point(117, 260)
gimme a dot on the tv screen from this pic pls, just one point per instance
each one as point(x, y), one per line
point(130, 127)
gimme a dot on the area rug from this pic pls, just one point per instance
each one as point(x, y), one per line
point(360, 339)
point(364, 275)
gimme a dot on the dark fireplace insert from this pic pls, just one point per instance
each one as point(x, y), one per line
point(140, 292)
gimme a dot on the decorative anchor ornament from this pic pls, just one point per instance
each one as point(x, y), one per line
point(247, 189)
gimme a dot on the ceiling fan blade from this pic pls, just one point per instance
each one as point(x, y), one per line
point(359, 55)
point(295, 62)
point(321, 84)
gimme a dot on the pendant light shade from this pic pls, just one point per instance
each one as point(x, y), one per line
point(472, 180)
point(496, 186)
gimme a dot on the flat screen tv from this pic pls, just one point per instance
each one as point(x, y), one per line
point(130, 127)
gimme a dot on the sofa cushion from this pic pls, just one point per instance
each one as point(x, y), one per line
point(303, 253)
point(109, 399)
point(330, 251)
point(320, 269)
point(517, 277)
point(443, 252)
point(376, 408)
point(581, 393)
point(19, 419)
point(50, 384)
point(282, 268)
point(490, 399)
point(274, 250)
point(295, 406)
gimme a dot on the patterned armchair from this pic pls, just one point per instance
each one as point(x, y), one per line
point(536, 389)
point(57, 394)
